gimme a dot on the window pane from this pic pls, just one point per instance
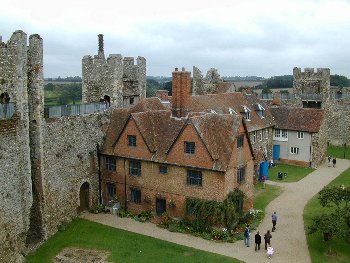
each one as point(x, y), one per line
point(190, 147)
point(135, 168)
point(136, 195)
point(131, 140)
point(163, 169)
point(110, 163)
point(111, 190)
point(194, 177)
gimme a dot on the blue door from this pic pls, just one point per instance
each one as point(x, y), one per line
point(276, 152)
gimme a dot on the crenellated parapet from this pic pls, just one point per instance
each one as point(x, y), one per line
point(116, 79)
point(310, 81)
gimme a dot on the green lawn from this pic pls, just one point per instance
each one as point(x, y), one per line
point(262, 197)
point(294, 173)
point(317, 247)
point(124, 246)
point(339, 151)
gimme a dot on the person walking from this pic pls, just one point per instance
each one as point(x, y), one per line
point(334, 161)
point(274, 221)
point(267, 238)
point(246, 235)
point(330, 161)
point(263, 179)
point(257, 241)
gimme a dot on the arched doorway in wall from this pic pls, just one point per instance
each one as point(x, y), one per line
point(107, 99)
point(84, 197)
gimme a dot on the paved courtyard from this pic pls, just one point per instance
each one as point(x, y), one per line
point(289, 240)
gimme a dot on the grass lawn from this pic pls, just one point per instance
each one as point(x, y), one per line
point(294, 173)
point(262, 197)
point(317, 247)
point(124, 246)
point(339, 151)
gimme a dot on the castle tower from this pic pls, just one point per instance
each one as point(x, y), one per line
point(182, 91)
point(16, 190)
point(116, 80)
point(313, 87)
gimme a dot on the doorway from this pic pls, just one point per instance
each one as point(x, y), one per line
point(84, 197)
point(160, 206)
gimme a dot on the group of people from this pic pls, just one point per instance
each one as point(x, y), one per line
point(331, 161)
point(267, 237)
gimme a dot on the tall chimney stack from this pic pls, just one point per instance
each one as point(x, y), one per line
point(181, 92)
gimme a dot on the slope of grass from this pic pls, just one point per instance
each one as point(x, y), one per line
point(262, 197)
point(294, 173)
point(317, 247)
point(339, 151)
point(124, 246)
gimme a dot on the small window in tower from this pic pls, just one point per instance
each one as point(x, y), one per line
point(132, 101)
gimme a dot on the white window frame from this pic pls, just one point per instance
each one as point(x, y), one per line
point(294, 150)
point(260, 135)
point(247, 113)
point(280, 135)
point(254, 136)
point(300, 135)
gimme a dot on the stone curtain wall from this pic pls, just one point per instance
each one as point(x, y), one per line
point(15, 176)
point(69, 160)
point(337, 118)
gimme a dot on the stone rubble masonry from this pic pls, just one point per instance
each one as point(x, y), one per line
point(115, 77)
point(15, 180)
point(43, 162)
point(205, 85)
point(312, 82)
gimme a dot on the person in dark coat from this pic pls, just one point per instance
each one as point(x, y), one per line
point(334, 161)
point(267, 238)
point(257, 241)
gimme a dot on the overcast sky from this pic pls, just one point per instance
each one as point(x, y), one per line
point(239, 38)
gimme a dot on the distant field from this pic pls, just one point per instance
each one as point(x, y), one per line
point(252, 84)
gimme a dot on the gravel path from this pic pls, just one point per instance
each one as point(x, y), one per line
point(289, 240)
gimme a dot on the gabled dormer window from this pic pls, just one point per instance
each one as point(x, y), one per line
point(246, 113)
point(260, 110)
point(232, 111)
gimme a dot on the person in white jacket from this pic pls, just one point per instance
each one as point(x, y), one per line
point(270, 252)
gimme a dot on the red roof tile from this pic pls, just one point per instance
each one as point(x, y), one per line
point(298, 119)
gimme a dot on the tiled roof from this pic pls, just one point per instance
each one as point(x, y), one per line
point(121, 116)
point(116, 126)
point(221, 103)
point(159, 130)
point(218, 132)
point(298, 119)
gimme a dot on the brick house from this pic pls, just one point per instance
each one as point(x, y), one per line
point(154, 158)
point(298, 135)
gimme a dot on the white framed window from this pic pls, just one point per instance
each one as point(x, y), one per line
point(300, 135)
point(280, 135)
point(254, 136)
point(285, 134)
point(246, 112)
point(267, 133)
point(260, 135)
point(294, 150)
point(277, 133)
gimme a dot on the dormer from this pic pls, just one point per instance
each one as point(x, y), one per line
point(232, 111)
point(260, 110)
point(245, 112)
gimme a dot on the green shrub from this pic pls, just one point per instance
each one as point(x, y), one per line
point(96, 209)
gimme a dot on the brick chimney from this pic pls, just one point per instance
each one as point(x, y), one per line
point(182, 90)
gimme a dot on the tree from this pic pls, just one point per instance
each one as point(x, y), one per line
point(340, 81)
point(336, 223)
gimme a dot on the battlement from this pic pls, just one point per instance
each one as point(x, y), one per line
point(107, 77)
point(308, 72)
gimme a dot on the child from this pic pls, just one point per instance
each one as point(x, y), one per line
point(270, 251)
